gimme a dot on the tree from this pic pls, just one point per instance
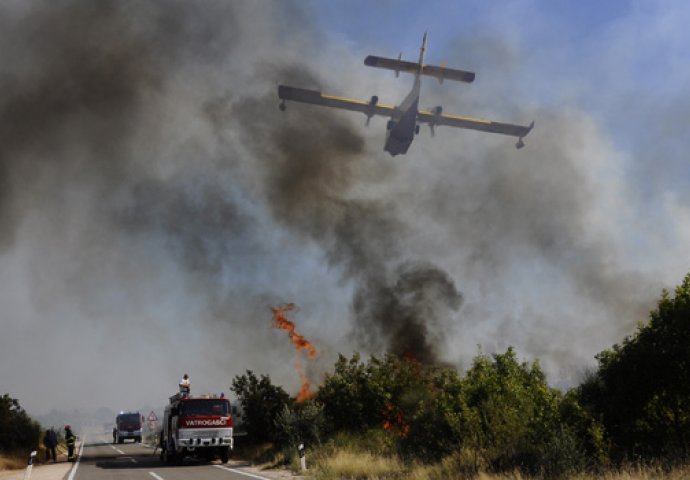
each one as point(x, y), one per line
point(261, 402)
point(434, 414)
point(641, 389)
point(352, 398)
point(502, 411)
point(511, 413)
point(18, 431)
point(360, 396)
point(303, 423)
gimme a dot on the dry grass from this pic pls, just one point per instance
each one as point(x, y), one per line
point(349, 465)
point(640, 473)
point(261, 453)
point(354, 466)
point(439, 472)
point(13, 462)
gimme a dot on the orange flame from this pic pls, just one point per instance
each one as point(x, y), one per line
point(281, 322)
point(410, 356)
point(394, 421)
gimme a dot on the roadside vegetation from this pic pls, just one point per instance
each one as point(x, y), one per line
point(396, 418)
point(19, 434)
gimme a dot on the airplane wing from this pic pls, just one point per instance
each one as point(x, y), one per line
point(440, 73)
point(369, 108)
point(438, 118)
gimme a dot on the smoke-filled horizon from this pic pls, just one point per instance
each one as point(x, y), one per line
point(155, 205)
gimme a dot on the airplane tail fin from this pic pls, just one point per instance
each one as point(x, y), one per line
point(421, 53)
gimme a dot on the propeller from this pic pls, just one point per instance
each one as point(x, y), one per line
point(372, 108)
point(437, 110)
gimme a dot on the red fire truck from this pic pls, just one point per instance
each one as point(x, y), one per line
point(196, 426)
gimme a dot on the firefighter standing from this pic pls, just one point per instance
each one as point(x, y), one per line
point(70, 440)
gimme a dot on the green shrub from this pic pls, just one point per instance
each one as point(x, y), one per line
point(18, 431)
point(300, 424)
point(261, 403)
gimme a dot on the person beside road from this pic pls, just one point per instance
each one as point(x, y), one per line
point(50, 441)
point(114, 434)
point(70, 440)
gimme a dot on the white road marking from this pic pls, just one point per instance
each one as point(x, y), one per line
point(234, 470)
point(156, 476)
point(73, 472)
point(117, 450)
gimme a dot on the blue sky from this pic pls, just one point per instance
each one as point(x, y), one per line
point(366, 23)
point(623, 62)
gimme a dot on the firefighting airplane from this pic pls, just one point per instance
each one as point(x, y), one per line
point(406, 117)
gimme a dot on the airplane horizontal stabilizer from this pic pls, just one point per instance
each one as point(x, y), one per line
point(440, 73)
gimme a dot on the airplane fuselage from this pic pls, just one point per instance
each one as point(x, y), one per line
point(401, 130)
point(402, 127)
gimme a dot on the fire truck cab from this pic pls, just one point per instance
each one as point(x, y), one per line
point(128, 425)
point(199, 426)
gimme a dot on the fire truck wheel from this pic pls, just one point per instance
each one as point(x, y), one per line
point(168, 457)
point(225, 455)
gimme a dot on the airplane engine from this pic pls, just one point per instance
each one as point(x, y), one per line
point(437, 110)
point(372, 103)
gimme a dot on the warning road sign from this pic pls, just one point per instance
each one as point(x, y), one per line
point(152, 416)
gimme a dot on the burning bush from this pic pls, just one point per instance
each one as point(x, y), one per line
point(502, 410)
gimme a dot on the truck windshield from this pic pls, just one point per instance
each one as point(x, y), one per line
point(128, 418)
point(205, 407)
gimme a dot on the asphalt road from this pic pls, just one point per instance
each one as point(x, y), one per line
point(101, 460)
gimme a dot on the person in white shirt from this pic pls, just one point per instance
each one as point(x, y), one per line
point(185, 385)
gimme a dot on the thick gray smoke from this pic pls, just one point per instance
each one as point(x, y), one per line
point(312, 165)
point(137, 164)
point(155, 203)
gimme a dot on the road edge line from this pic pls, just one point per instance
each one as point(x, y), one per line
point(234, 470)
